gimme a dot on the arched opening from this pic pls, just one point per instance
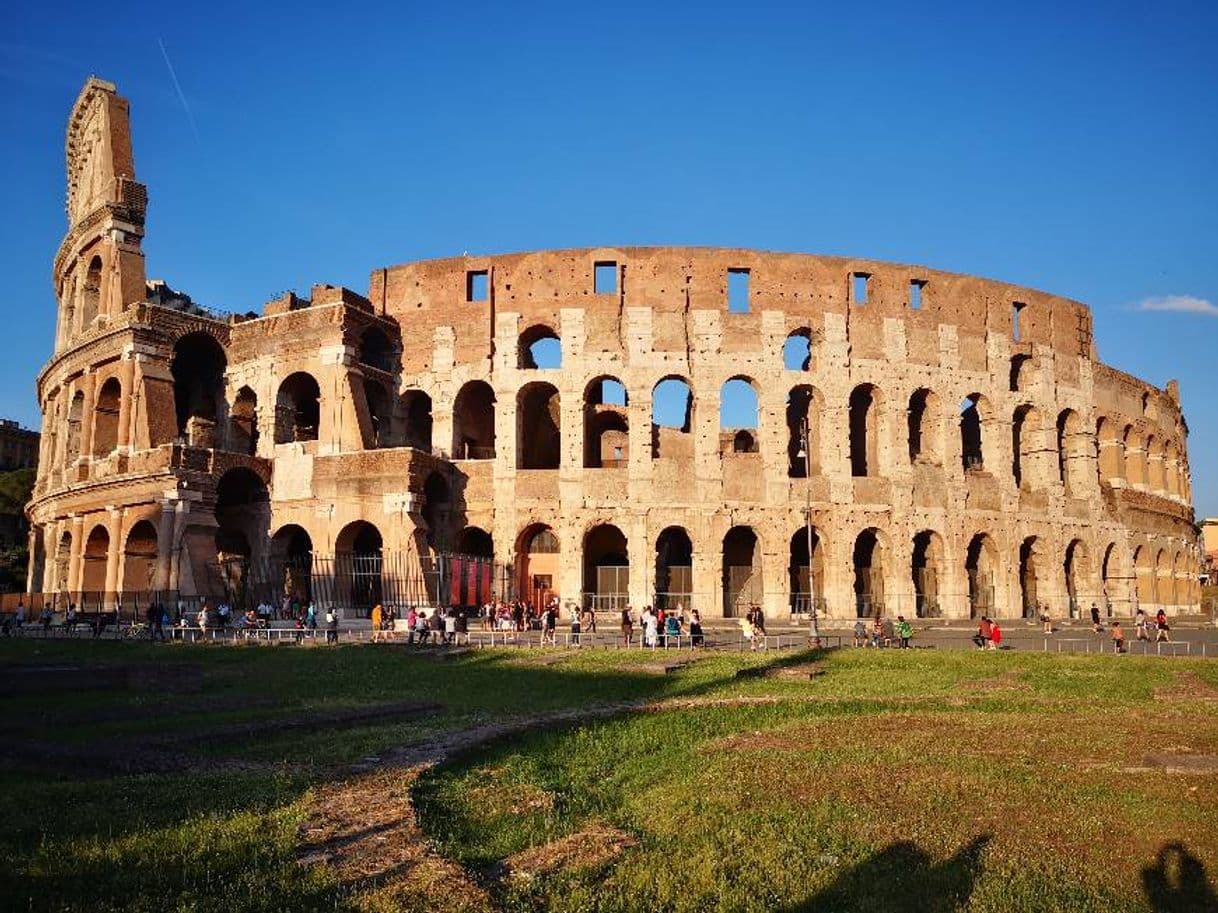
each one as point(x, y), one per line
point(90, 294)
point(198, 368)
point(925, 565)
point(674, 581)
point(1021, 369)
point(139, 559)
point(1107, 568)
point(868, 560)
point(417, 406)
point(971, 454)
point(1028, 577)
point(606, 568)
point(297, 409)
point(925, 420)
point(1071, 451)
point(243, 422)
point(606, 424)
point(93, 562)
point(738, 413)
point(473, 422)
point(1111, 455)
point(803, 432)
point(537, 557)
point(63, 561)
point(1077, 572)
point(378, 401)
point(672, 416)
point(1023, 440)
point(243, 514)
point(797, 350)
point(38, 563)
point(864, 431)
point(76, 413)
point(291, 571)
point(437, 511)
point(476, 542)
point(807, 577)
point(1155, 453)
point(105, 417)
point(538, 427)
point(376, 350)
point(742, 580)
point(1162, 594)
point(539, 347)
point(1135, 459)
point(1171, 470)
point(979, 566)
point(1179, 579)
point(1143, 578)
point(357, 558)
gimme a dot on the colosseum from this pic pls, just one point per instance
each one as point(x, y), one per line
point(612, 425)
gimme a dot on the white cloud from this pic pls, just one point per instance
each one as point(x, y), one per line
point(1185, 304)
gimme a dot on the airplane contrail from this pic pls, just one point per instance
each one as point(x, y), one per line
point(178, 86)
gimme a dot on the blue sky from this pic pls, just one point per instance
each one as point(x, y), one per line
point(1069, 147)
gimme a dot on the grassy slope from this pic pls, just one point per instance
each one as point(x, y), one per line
point(863, 791)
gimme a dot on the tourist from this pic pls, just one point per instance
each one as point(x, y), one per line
point(461, 627)
point(549, 624)
point(995, 636)
point(696, 637)
point(672, 629)
point(888, 632)
point(1095, 619)
point(984, 630)
point(1161, 627)
point(1046, 621)
point(627, 626)
point(331, 626)
point(151, 615)
point(201, 620)
point(421, 629)
point(19, 618)
point(450, 626)
point(576, 627)
point(376, 622)
point(904, 631)
point(46, 618)
point(69, 618)
point(311, 616)
point(860, 633)
point(651, 626)
point(747, 631)
point(224, 614)
point(1118, 637)
point(877, 632)
point(1139, 625)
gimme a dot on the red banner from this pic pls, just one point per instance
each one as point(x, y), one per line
point(471, 583)
point(455, 567)
point(484, 592)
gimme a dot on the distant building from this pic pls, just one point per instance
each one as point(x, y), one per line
point(1209, 548)
point(18, 446)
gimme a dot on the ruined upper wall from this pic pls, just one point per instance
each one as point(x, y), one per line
point(672, 281)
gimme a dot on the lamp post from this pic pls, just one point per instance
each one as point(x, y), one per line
point(813, 629)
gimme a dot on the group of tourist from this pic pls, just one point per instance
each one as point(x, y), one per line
point(662, 627)
point(883, 632)
point(440, 626)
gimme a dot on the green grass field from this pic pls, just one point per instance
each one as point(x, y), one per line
point(888, 780)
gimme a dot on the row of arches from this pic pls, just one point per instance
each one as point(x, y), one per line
point(1145, 461)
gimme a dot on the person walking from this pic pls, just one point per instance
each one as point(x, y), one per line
point(331, 626)
point(984, 630)
point(576, 627)
point(650, 627)
point(1046, 621)
point(627, 626)
point(376, 622)
point(1095, 619)
point(860, 633)
point(1118, 637)
point(904, 631)
point(995, 636)
point(1139, 625)
point(549, 624)
point(696, 637)
point(1162, 629)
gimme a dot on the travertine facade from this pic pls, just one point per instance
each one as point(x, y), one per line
point(969, 453)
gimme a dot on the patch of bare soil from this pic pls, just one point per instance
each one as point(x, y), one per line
point(592, 846)
point(1188, 686)
point(1009, 681)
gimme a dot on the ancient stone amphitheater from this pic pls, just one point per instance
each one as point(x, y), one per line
point(712, 426)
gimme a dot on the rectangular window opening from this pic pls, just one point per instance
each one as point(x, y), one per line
point(737, 291)
point(915, 294)
point(604, 278)
point(476, 285)
point(859, 283)
point(1016, 310)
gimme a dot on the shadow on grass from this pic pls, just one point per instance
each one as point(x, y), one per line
point(1177, 883)
point(902, 878)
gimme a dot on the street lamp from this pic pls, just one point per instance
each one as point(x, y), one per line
point(806, 452)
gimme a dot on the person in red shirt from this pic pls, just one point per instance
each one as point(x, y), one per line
point(995, 636)
point(982, 637)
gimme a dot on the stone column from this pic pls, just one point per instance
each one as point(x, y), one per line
point(180, 508)
point(164, 545)
point(114, 554)
point(89, 385)
point(642, 560)
point(126, 378)
point(76, 556)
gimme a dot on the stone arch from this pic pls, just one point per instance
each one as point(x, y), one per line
point(437, 511)
point(1111, 451)
point(417, 407)
point(1076, 570)
point(925, 427)
point(358, 559)
point(1026, 434)
point(981, 565)
point(674, 568)
point(1030, 560)
point(243, 517)
point(90, 293)
point(198, 368)
point(1072, 446)
point(376, 350)
point(1109, 573)
point(1156, 454)
point(672, 417)
point(1135, 458)
point(868, 565)
point(539, 347)
point(477, 542)
point(606, 568)
point(243, 422)
point(63, 562)
point(380, 415)
point(474, 422)
point(864, 430)
point(93, 561)
point(742, 577)
point(803, 443)
point(538, 553)
point(538, 426)
point(106, 411)
point(739, 410)
point(807, 577)
point(973, 411)
point(140, 559)
point(926, 571)
point(606, 424)
point(297, 409)
point(1022, 371)
point(72, 436)
point(797, 350)
point(291, 570)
